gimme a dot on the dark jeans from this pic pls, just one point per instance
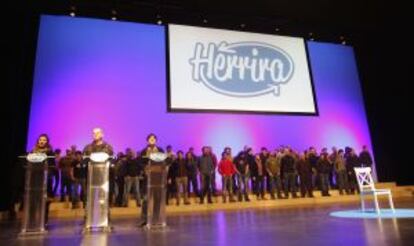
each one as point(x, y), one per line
point(268, 183)
point(213, 183)
point(342, 181)
point(144, 208)
point(306, 184)
point(332, 184)
point(324, 182)
point(276, 186)
point(352, 181)
point(171, 190)
point(290, 184)
point(51, 189)
point(132, 182)
point(243, 186)
point(53, 182)
point(207, 186)
point(181, 182)
point(112, 191)
point(76, 195)
point(120, 195)
point(227, 187)
point(47, 208)
point(65, 186)
point(235, 183)
point(259, 186)
point(193, 181)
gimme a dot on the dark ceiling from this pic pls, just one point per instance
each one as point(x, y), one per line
point(325, 19)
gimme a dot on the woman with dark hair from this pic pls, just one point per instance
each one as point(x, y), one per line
point(43, 146)
point(145, 154)
point(191, 162)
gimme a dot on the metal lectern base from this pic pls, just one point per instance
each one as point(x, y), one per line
point(87, 230)
point(25, 233)
point(156, 227)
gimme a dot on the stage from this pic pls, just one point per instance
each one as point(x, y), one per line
point(294, 225)
point(64, 209)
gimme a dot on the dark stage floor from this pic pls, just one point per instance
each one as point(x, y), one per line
point(282, 226)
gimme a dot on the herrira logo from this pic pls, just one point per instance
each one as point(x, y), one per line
point(243, 69)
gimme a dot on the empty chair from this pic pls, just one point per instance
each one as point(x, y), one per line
point(367, 187)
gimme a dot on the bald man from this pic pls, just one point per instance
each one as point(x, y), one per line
point(98, 145)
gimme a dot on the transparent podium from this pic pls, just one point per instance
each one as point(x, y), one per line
point(35, 194)
point(97, 205)
point(156, 191)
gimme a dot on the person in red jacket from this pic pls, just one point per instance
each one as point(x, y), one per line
point(226, 169)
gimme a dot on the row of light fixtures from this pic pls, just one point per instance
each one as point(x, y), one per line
point(159, 21)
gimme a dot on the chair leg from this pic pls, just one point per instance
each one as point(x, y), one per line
point(391, 202)
point(377, 208)
point(362, 204)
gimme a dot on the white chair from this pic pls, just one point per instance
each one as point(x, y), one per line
point(367, 187)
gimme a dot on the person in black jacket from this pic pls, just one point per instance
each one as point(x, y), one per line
point(264, 155)
point(242, 176)
point(365, 158)
point(313, 159)
point(305, 174)
point(79, 180)
point(119, 174)
point(180, 173)
point(145, 153)
point(191, 162)
point(133, 171)
point(352, 161)
point(289, 172)
point(171, 184)
point(250, 159)
point(206, 168)
point(323, 167)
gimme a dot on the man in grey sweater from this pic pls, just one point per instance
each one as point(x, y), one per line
point(206, 168)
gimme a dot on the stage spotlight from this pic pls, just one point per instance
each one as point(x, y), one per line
point(311, 38)
point(342, 39)
point(159, 20)
point(113, 13)
point(72, 11)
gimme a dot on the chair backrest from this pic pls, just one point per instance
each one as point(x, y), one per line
point(364, 178)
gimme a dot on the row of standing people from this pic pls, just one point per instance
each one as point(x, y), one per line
point(279, 172)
